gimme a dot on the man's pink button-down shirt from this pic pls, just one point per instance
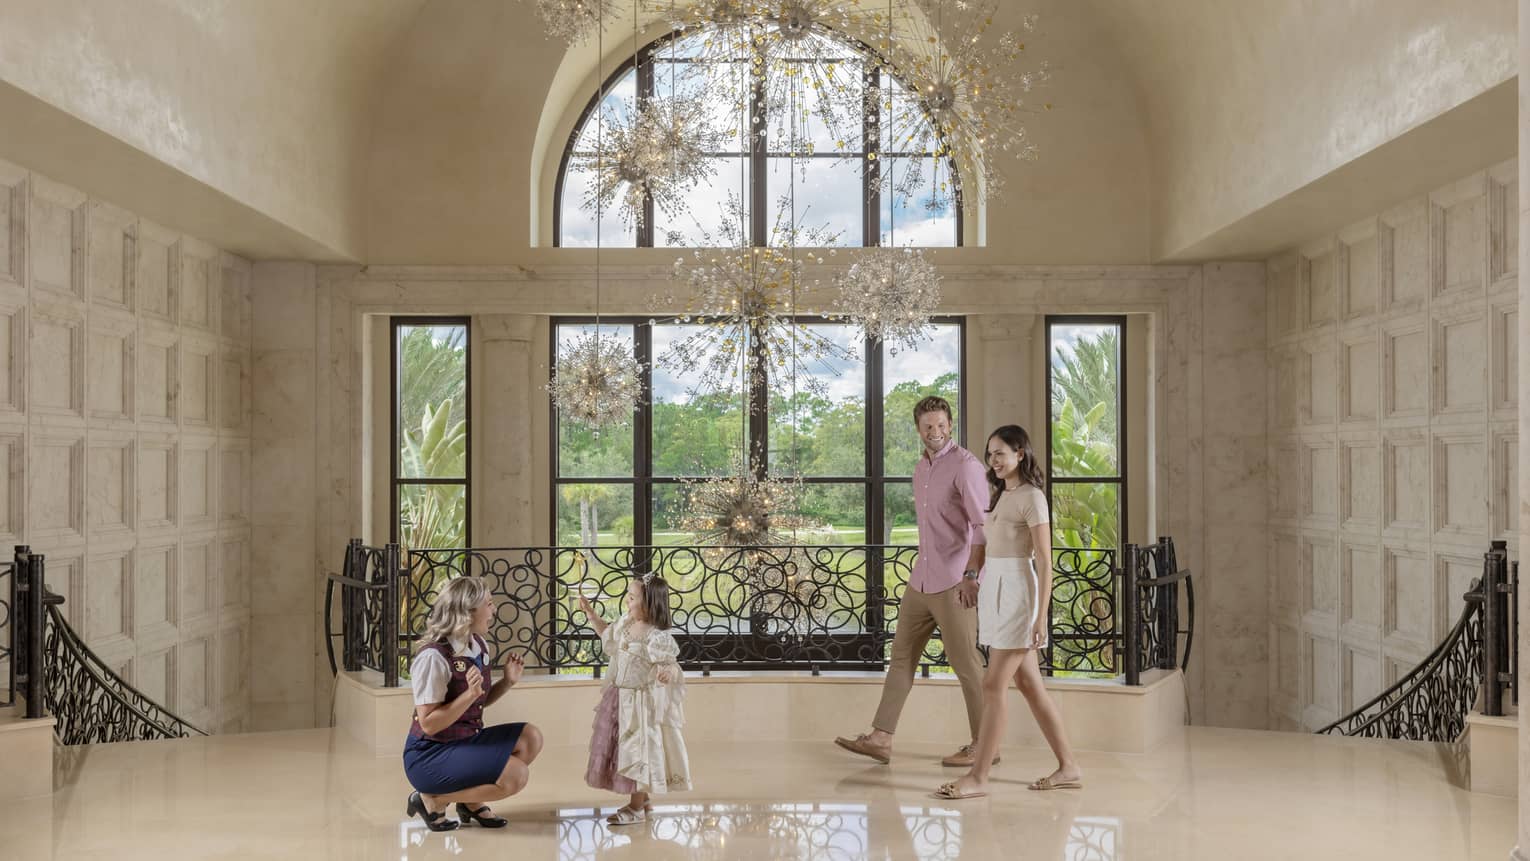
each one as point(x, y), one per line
point(950, 495)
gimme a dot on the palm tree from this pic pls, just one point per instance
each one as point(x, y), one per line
point(1089, 375)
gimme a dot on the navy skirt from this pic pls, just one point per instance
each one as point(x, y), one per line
point(441, 767)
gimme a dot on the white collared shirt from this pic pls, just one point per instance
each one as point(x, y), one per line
point(429, 673)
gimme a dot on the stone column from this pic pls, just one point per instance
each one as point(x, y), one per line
point(285, 491)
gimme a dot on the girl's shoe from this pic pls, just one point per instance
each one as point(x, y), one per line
point(483, 816)
point(434, 821)
point(629, 815)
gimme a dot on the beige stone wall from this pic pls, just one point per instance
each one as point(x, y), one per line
point(125, 425)
point(1393, 438)
point(1182, 319)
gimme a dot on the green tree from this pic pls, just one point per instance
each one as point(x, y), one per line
point(432, 370)
point(1089, 374)
point(434, 515)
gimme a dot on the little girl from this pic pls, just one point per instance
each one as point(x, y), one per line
point(636, 747)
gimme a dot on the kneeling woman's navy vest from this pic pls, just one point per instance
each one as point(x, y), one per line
point(471, 720)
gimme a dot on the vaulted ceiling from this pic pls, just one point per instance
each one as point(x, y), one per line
point(418, 130)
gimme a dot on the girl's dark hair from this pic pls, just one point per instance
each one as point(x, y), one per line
point(656, 601)
point(1016, 438)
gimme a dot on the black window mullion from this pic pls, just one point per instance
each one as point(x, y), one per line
point(645, 92)
point(871, 165)
point(642, 439)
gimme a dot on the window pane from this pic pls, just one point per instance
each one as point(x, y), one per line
point(583, 451)
point(821, 429)
point(432, 515)
point(695, 432)
point(932, 368)
point(432, 401)
point(1085, 391)
point(835, 514)
point(898, 521)
point(1086, 515)
point(918, 204)
point(668, 510)
point(594, 515)
point(716, 211)
point(828, 204)
point(577, 225)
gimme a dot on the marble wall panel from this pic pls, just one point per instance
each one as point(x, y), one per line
point(1426, 425)
point(108, 467)
point(109, 363)
point(113, 254)
point(57, 230)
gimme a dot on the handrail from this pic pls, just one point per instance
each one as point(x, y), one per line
point(1475, 662)
point(59, 673)
point(1467, 631)
point(93, 704)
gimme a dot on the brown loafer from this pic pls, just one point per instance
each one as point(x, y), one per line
point(963, 758)
point(863, 746)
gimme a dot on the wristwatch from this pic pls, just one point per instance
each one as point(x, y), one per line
point(969, 574)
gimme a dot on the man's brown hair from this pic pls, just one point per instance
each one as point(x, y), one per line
point(932, 404)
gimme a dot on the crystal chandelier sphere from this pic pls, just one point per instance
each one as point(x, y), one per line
point(574, 20)
point(891, 293)
point(596, 382)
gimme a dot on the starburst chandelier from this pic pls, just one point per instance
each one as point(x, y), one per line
point(657, 150)
point(573, 20)
point(795, 54)
point(970, 82)
point(744, 299)
point(742, 509)
point(596, 381)
point(891, 293)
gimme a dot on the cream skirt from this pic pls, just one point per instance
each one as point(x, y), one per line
point(1007, 603)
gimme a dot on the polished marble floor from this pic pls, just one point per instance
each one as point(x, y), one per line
point(1216, 794)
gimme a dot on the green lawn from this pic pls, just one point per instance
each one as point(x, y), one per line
point(851, 535)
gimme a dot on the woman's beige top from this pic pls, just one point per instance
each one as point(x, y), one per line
point(1008, 528)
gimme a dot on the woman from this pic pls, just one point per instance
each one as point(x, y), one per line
point(450, 757)
point(1012, 612)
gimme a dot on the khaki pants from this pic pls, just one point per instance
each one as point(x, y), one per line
point(918, 617)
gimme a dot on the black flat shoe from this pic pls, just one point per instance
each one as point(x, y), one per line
point(466, 815)
point(434, 821)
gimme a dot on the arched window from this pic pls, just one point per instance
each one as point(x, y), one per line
point(850, 186)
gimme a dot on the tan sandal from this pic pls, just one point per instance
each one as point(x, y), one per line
point(949, 792)
point(1044, 784)
point(629, 815)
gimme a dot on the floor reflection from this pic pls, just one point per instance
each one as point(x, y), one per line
point(827, 831)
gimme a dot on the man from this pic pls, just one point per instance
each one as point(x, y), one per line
point(950, 496)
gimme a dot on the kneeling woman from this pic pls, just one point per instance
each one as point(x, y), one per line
point(450, 757)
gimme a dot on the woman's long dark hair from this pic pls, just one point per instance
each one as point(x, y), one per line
point(1016, 438)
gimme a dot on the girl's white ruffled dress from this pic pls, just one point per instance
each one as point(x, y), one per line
point(637, 744)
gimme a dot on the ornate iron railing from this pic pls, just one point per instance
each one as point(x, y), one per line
point(91, 703)
point(7, 635)
point(812, 607)
point(55, 672)
point(1476, 659)
point(1152, 610)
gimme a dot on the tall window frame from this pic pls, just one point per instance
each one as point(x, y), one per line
point(643, 481)
point(1119, 478)
point(871, 156)
point(398, 483)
